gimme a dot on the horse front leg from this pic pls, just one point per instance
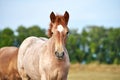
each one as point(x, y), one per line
point(43, 77)
point(25, 77)
point(23, 74)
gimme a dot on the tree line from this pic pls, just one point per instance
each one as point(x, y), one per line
point(93, 44)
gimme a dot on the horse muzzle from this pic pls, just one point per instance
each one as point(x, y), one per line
point(59, 55)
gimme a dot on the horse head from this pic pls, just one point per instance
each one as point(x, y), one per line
point(59, 31)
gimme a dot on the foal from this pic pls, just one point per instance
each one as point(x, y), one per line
point(8, 63)
point(46, 59)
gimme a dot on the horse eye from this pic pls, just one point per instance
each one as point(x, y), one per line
point(67, 33)
point(51, 32)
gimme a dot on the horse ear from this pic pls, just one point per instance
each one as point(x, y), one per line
point(52, 17)
point(66, 16)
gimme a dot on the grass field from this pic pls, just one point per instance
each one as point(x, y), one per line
point(94, 72)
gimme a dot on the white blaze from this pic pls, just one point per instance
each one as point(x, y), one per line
point(60, 28)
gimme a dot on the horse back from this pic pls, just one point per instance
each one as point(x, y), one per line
point(29, 42)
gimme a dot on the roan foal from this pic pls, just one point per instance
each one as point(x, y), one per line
point(46, 59)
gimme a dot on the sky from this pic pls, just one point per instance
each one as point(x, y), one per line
point(14, 13)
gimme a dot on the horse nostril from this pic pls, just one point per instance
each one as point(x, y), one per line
point(56, 53)
point(62, 54)
point(59, 55)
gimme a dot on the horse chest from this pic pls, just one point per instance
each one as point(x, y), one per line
point(55, 73)
point(52, 69)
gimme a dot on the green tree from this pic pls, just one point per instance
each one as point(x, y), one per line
point(73, 46)
point(103, 44)
point(6, 37)
point(36, 31)
point(24, 32)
